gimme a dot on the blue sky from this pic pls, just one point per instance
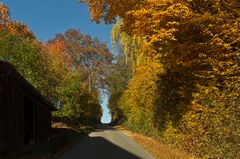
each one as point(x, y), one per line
point(48, 17)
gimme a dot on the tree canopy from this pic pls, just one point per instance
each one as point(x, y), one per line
point(185, 63)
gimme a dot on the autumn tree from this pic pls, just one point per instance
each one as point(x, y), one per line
point(91, 55)
point(24, 52)
point(117, 83)
point(86, 62)
point(76, 103)
point(196, 43)
point(4, 14)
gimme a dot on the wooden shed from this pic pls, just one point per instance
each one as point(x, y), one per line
point(25, 115)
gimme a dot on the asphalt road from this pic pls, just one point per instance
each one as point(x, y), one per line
point(106, 144)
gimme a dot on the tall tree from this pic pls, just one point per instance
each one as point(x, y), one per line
point(91, 55)
point(84, 63)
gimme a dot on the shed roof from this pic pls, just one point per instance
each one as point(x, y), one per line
point(7, 69)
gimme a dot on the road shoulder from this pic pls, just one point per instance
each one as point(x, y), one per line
point(157, 149)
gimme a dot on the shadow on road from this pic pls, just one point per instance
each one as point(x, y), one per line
point(102, 129)
point(99, 148)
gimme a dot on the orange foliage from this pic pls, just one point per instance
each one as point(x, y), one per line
point(59, 60)
point(14, 27)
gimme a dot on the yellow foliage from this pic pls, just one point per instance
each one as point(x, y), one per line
point(194, 91)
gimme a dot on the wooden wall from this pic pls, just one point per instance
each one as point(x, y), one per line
point(12, 114)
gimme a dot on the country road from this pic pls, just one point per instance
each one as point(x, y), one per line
point(106, 144)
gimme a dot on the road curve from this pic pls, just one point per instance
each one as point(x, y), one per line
point(106, 144)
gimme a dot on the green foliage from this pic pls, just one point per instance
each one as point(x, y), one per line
point(117, 83)
point(67, 77)
point(71, 96)
point(26, 56)
point(76, 101)
point(90, 63)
